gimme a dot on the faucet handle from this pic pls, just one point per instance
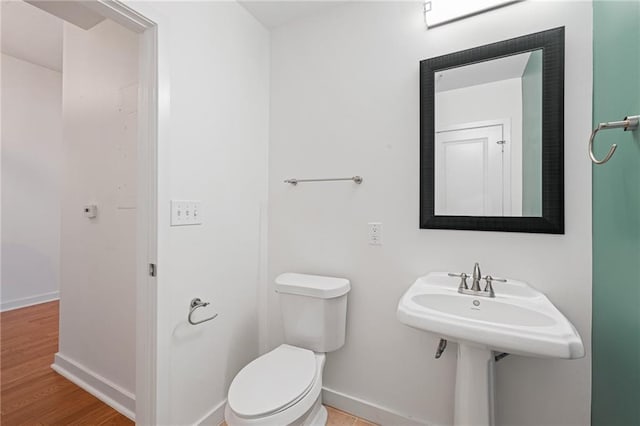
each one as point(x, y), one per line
point(463, 280)
point(490, 278)
point(489, 287)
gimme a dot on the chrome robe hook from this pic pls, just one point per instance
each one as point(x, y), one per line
point(629, 123)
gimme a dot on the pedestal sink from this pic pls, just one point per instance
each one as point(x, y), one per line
point(518, 320)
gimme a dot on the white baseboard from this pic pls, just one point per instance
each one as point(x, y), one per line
point(368, 410)
point(214, 417)
point(23, 302)
point(106, 391)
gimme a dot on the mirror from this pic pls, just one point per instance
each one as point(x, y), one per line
point(491, 137)
point(481, 166)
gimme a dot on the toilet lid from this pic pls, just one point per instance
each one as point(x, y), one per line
point(273, 381)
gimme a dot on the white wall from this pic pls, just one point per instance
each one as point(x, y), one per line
point(98, 304)
point(345, 101)
point(216, 152)
point(31, 34)
point(497, 100)
point(31, 172)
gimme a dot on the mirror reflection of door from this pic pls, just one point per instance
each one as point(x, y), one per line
point(477, 107)
point(473, 170)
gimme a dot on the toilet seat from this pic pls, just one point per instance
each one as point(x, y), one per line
point(273, 382)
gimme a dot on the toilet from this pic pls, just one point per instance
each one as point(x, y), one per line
point(283, 387)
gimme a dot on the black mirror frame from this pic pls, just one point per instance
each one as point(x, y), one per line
point(552, 221)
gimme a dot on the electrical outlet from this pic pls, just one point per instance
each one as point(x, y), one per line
point(186, 213)
point(375, 233)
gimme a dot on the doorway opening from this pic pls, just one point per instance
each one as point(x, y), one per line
point(79, 211)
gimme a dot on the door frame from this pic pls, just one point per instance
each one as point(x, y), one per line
point(153, 116)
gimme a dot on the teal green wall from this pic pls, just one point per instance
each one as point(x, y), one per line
point(532, 136)
point(616, 217)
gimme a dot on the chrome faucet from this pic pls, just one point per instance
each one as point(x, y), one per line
point(477, 276)
point(475, 289)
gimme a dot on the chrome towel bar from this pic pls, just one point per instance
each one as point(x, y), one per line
point(195, 304)
point(294, 181)
point(629, 123)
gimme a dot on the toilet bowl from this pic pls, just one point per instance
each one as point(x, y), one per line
point(283, 387)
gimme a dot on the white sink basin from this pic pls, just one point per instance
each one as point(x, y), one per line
point(491, 310)
point(519, 320)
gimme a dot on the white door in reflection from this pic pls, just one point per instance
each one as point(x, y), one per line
point(472, 169)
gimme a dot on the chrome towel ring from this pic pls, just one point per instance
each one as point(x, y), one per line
point(629, 123)
point(195, 304)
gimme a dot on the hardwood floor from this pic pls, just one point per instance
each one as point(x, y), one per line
point(341, 418)
point(31, 393)
point(337, 417)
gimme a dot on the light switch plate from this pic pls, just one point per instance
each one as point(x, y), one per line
point(186, 213)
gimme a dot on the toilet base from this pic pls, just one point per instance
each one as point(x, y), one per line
point(315, 416)
point(318, 415)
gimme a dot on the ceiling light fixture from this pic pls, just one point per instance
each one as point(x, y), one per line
point(439, 12)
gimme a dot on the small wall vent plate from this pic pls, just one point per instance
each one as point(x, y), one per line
point(90, 211)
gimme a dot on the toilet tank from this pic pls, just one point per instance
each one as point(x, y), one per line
point(314, 310)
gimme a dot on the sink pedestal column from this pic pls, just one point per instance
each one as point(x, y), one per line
point(474, 386)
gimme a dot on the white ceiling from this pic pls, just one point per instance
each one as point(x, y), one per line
point(34, 35)
point(75, 12)
point(31, 34)
point(482, 72)
point(275, 13)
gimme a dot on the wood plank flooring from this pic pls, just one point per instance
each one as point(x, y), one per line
point(31, 393)
point(342, 418)
point(337, 417)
